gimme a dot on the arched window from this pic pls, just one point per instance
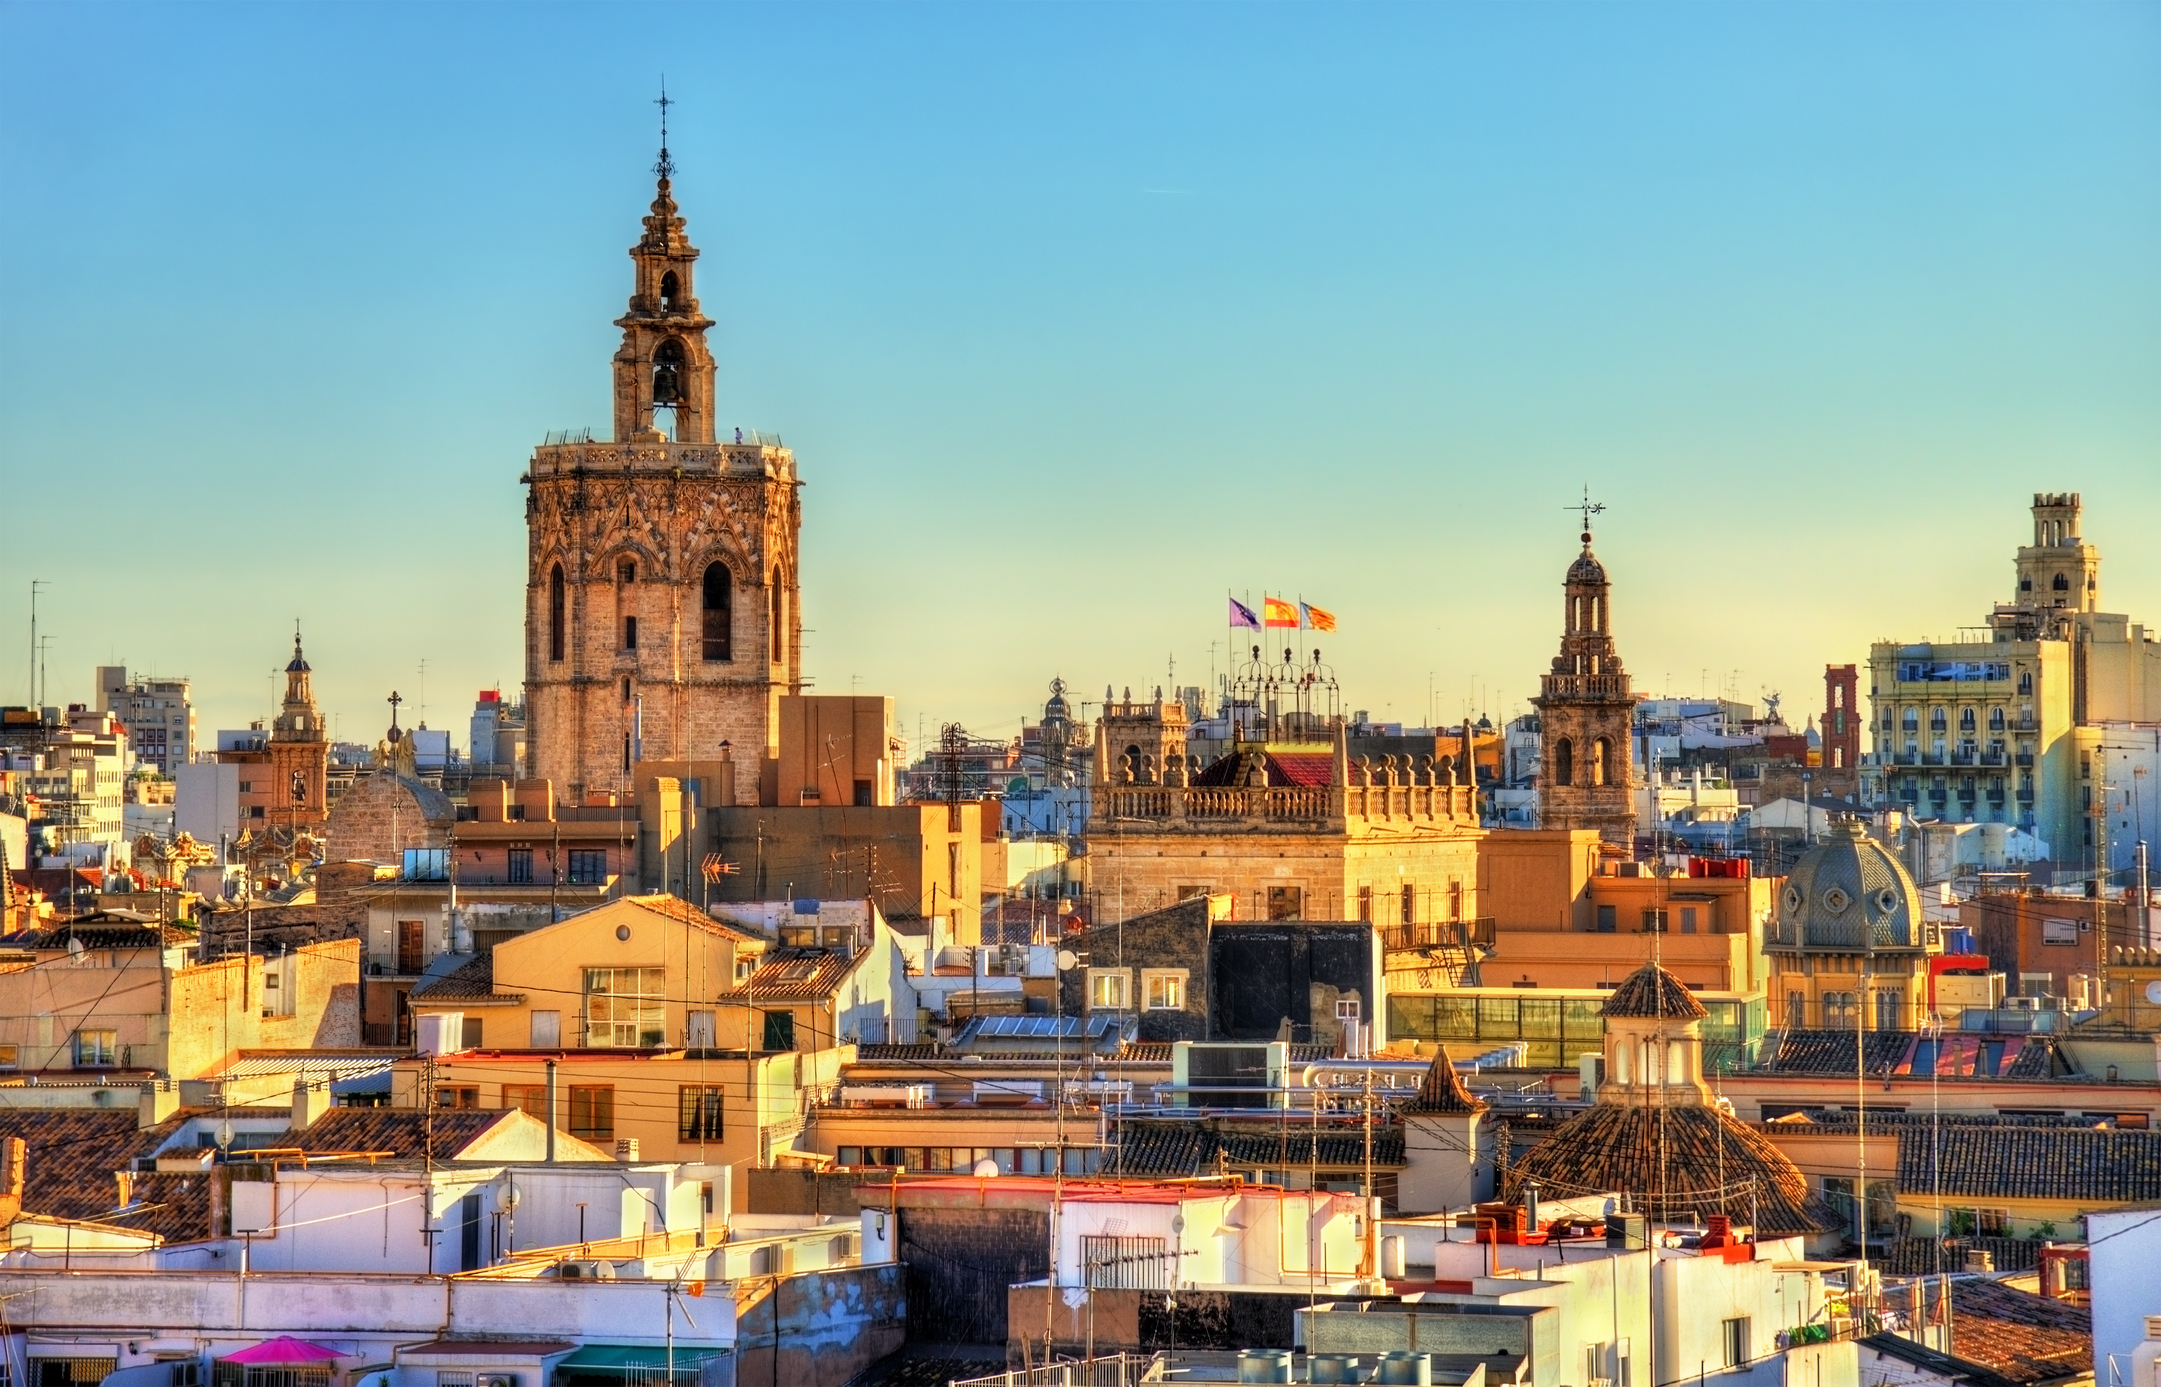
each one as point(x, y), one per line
point(2062, 584)
point(718, 629)
point(555, 612)
point(779, 621)
point(1601, 761)
point(670, 287)
point(626, 688)
point(1564, 762)
point(668, 373)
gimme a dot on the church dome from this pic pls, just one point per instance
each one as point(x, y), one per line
point(1848, 893)
point(1652, 992)
point(1055, 706)
point(299, 665)
point(1586, 568)
point(1674, 1164)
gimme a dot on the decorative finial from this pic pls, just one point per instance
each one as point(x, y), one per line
point(1589, 508)
point(665, 168)
point(296, 637)
point(394, 701)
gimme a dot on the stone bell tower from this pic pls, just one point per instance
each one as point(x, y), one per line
point(661, 612)
point(1586, 771)
point(299, 748)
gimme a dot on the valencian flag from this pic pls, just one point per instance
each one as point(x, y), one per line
point(1312, 618)
point(1242, 615)
point(1279, 612)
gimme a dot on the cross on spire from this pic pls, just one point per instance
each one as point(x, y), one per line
point(665, 168)
point(394, 701)
point(1589, 508)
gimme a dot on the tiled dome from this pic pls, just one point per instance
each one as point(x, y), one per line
point(1848, 892)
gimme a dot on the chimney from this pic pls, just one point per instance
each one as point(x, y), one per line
point(13, 1157)
point(307, 1104)
point(159, 1101)
point(124, 1180)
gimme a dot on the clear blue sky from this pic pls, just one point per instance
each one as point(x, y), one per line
point(1076, 316)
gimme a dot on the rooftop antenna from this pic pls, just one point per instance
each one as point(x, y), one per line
point(664, 169)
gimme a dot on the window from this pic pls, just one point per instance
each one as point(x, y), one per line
point(630, 633)
point(7, 1061)
point(1797, 1011)
point(779, 1031)
point(547, 1030)
point(698, 1112)
point(411, 956)
point(625, 1007)
point(668, 373)
point(1688, 919)
point(555, 612)
point(626, 572)
point(592, 1111)
point(779, 620)
point(1164, 989)
point(99, 1047)
point(530, 1099)
point(1890, 1007)
point(457, 1096)
point(1564, 762)
point(588, 866)
point(1601, 761)
point(470, 1032)
point(1107, 989)
point(670, 286)
point(1735, 1333)
point(700, 1033)
point(1365, 904)
point(1654, 920)
point(1409, 904)
point(1286, 902)
point(718, 634)
point(1608, 919)
point(521, 866)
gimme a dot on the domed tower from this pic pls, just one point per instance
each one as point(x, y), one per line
point(1653, 1134)
point(1849, 947)
point(299, 747)
point(661, 615)
point(1587, 714)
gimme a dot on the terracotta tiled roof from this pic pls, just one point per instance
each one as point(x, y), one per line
point(95, 933)
point(1651, 991)
point(683, 912)
point(1831, 1052)
point(175, 1207)
point(2022, 1162)
point(401, 1131)
point(1442, 1091)
point(1145, 1052)
point(874, 1054)
point(1143, 1147)
point(796, 975)
point(2016, 1334)
point(1676, 1162)
point(71, 1155)
point(470, 982)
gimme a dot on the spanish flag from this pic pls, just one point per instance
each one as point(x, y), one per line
point(1313, 618)
point(1277, 612)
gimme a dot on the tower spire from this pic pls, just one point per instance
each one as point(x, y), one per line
point(664, 169)
point(1589, 508)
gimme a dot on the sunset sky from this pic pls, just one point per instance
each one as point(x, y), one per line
point(1078, 316)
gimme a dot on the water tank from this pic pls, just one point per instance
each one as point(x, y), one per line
point(1407, 1368)
point(1264, 1365)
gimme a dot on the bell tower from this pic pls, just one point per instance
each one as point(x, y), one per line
point(1586, 772)
point(662, 620)
point(664, 371)
point(299, 749)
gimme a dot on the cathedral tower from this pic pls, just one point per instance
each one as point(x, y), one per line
point(299, 748)
point(1587, 715)
point(661, 617)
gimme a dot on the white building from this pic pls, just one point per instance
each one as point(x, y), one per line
point(157, 713)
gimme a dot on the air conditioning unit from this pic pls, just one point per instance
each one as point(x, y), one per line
point(496, 1380)
point(587, 1271)
point(1007, 1091)
point(1100, 1090)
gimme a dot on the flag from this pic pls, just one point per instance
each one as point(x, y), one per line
point(1242, 615)
point(1280, 612)
point(1312, 618)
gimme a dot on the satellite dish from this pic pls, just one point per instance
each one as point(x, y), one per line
point(1067, 959)
point(985, 1169)
point(225, 1134)
point(1178, 1223)
point(2153, 992)
point(511, 1195)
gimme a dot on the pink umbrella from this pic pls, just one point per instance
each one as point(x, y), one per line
point(283, 1349)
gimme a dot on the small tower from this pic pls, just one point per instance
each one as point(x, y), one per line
point(1587, 713)
point(2059, 569)
point(299, 749)
point(663, 363)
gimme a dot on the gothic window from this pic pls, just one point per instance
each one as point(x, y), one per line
point(555, 612)
point(718, 629)
point(626, 688)
point(668, 373)
point(1564, 762)
point(2062, 584)
point(626, 572)
point(630, 633)
point(778, 639)
point(1601, 761)
point(670, 288)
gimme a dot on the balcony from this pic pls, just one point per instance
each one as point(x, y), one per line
point(1964, 758)
point(2025, 797)
point(2024, 758)
point(1992, 758)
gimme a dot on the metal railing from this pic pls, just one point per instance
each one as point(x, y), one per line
point(1115, 1370)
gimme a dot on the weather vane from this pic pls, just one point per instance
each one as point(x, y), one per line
point(1589, 508)
point(666, 167)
